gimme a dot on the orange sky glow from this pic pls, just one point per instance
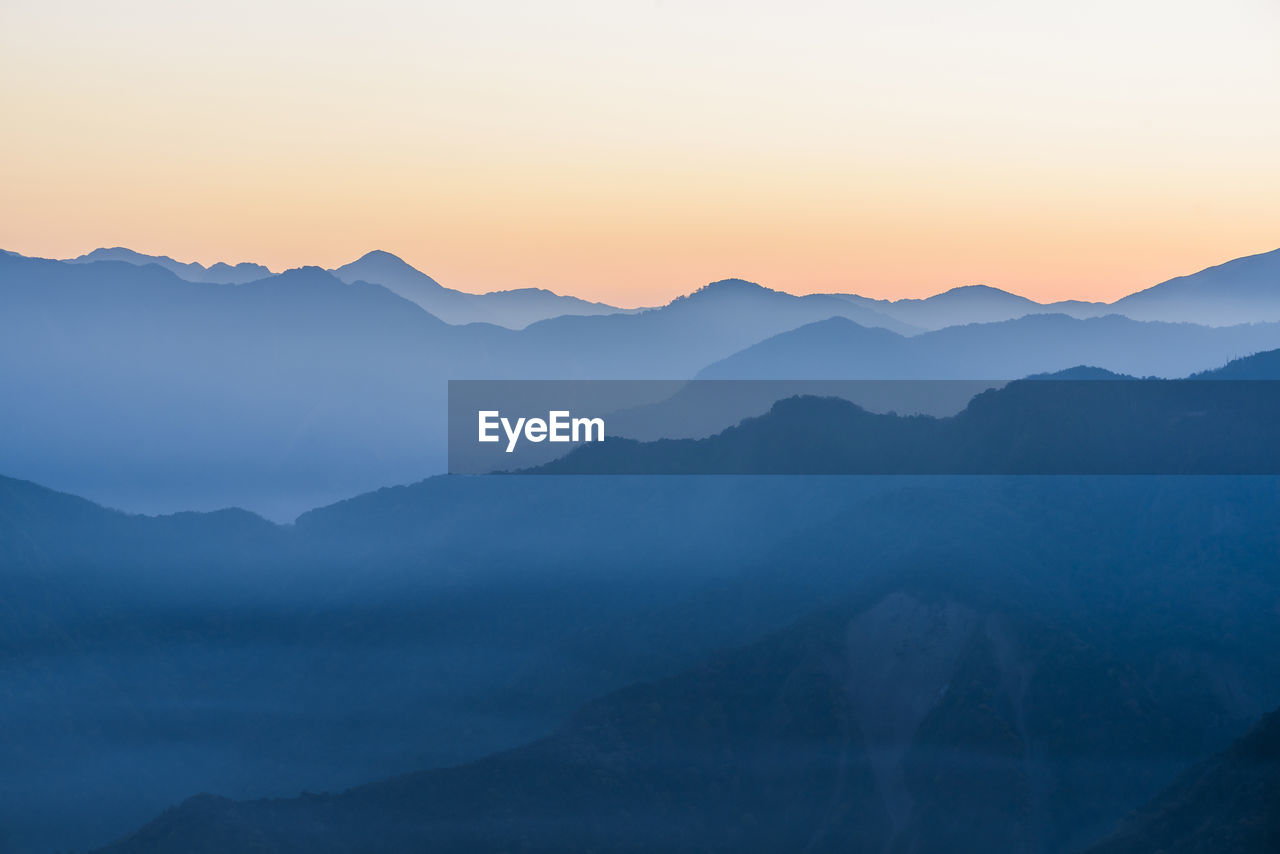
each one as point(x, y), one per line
point(632, 151)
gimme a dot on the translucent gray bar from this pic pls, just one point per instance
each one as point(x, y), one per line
point(865, 427)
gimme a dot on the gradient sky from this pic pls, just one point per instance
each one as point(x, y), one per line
point(631, 151)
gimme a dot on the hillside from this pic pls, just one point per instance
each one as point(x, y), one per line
point(912, 721)
point(402, 607)
point(1038, 426)
point(1228, 803)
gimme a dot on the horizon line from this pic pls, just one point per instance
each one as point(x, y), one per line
point(638, 307)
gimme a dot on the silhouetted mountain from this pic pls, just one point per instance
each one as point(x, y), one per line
point(54, 529)
point(839, 349)
point(1245, 290)
point(735, 295)
point(220, 272)
point(514, 309)
point(1026, 427)
point(1229, 803)
point(1082, 372)
point(145, 391)
point(722, 317)
point(1259, 366)
point(974, 304)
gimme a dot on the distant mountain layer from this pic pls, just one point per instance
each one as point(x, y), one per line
point(838, 349)
point(150, 392)
point(1229, 803)
point(740, 303)
point(1246, 290)
point(975, 304)
point(137, 388)
point(193, 272)
point(515, 309)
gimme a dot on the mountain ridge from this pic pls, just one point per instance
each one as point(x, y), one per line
point(220, 272)
point(284, 393)
point(513, 308)
point(1040, 425)
point(1239, 290)
point(837, 348)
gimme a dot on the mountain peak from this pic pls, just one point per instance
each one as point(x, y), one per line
point(980, 289)
point(397, 275)
point(734, 283)
point(381, 256)
point(383, 268)
point(220, 272)
point(120, 253)
point(730, 286)
point(1081, 372)
point(306, 275)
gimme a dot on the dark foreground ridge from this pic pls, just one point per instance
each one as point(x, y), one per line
point(1230, 803)
point(916, 718)
point(1072, 644)
point(1122, 426)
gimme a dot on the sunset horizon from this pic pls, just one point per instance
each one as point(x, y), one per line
point(678, 290)
point(626, 153)
point(640, 426)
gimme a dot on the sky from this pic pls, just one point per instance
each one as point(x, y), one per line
point(632, 151)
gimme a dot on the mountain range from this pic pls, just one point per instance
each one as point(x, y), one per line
point(1240, 291)
point(1046, 425)
point(220, 272)
point(1075, 642)
point(1243, 290)
point(143, 390)
point(1032, 664)
point(975, 304)
point(515, 309)
point(836, 349)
